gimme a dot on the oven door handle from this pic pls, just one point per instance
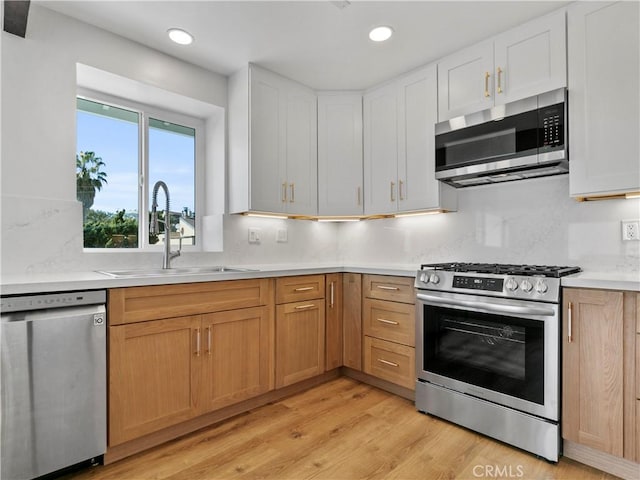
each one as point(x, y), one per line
point(486, 308)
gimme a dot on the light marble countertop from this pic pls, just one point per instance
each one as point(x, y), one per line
point(29, 283)
point(60, 282)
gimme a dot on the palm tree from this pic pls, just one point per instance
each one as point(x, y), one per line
point(89, 178)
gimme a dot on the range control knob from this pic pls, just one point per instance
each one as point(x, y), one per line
point(424, 277)
point(511, 284)
point(526, 286)
point(435, 279)
point(541, 287)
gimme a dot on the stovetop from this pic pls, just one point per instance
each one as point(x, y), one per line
point(552, 271)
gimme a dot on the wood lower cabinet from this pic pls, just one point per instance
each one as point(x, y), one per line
point(154, 376)
point(237, 351)
point(300, 328)
point(333, 321)
point(164, 371)
point(599, 398)
point(352, 321)
point(388, 319)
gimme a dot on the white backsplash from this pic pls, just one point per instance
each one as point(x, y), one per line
point(532, 222)
point(527, 222)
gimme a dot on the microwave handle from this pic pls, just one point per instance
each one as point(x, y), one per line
point(486, 308)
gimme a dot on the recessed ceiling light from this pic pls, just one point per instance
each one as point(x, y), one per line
point(381, 33)
point(180, 36)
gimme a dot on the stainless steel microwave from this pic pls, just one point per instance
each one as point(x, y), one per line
point(518, 140)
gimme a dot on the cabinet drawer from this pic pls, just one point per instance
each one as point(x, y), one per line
point(298, 289)
point(390, 321)
point(390, 361)
point(396, 289)
point(139, 304)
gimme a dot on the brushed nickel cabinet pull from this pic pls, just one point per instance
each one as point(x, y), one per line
point(486, 84)
point(387, 362)
point(293, 193)
point(302, 307)
point(393, 195)
point(208, 340)
point(302, 289)
point(400, 184)
point(197, 342)
point(284, 192)
point(569, 321)
point(390, 322)
point(358, 196)
point(499, 80)
point(331, 295)
point(384, 287)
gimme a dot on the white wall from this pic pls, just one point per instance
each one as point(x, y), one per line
point(531, 221)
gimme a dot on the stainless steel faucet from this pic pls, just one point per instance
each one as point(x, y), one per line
point(154, 227)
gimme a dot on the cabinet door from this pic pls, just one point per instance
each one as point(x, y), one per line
point(381, 151)
point(333, 322)
point(465, 81)
point(352, 321)
point(154, 376)
point(418, 188)
point(340, 155)
point(592, 368)
point(531, 59)
point(604, 94)
point(267, 113)
point(301, 150)
point(237, 347)
point(299, 341)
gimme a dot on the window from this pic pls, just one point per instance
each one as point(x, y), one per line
point(122, 151)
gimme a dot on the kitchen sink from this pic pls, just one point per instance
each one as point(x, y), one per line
point(161, 272)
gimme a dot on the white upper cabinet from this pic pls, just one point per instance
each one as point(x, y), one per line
point(519, 63)
point(604, 98)
point(340, 189)
point(272, 144)
point(399, 150)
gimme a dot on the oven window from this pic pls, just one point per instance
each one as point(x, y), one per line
point(500, 353)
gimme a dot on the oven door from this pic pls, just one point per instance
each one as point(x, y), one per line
point(501, 350)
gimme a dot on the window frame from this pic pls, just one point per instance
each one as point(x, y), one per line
point(146, 111)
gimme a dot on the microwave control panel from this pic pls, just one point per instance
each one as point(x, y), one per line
point(552, 125)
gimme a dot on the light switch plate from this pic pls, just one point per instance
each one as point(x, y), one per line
point(281, 235)
point(254, 235)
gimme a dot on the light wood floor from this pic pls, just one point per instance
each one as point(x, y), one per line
point(340, 430)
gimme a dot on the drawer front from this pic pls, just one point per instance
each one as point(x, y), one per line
point(396, 289)
point(390, 361)
point(299, 289)
point(390, 321)
point(140, 304)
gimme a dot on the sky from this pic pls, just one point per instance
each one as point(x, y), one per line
point(171, 159)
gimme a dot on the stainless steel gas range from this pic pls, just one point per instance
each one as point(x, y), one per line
point(488, 350)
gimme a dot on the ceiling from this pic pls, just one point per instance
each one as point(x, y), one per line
point(321, 44)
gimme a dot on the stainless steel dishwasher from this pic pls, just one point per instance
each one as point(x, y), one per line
point(52, 382)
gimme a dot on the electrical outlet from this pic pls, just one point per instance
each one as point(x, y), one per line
point(630, 230)
point(254, 235)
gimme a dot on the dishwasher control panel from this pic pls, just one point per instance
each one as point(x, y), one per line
point(40, 301)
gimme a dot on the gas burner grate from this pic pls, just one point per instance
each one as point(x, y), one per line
point(503, 269)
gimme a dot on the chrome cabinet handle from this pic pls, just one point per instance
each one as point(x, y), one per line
point(390, 322)
point(393, 196)
point(284, 192)
point(384, 287)
point(302, 307)
point(499, 80)
point(197, 342)
point(486, 84)
point(208, 340)
point(569, 322)
point(387, 362)
point(331, 295)
point(302, 289)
